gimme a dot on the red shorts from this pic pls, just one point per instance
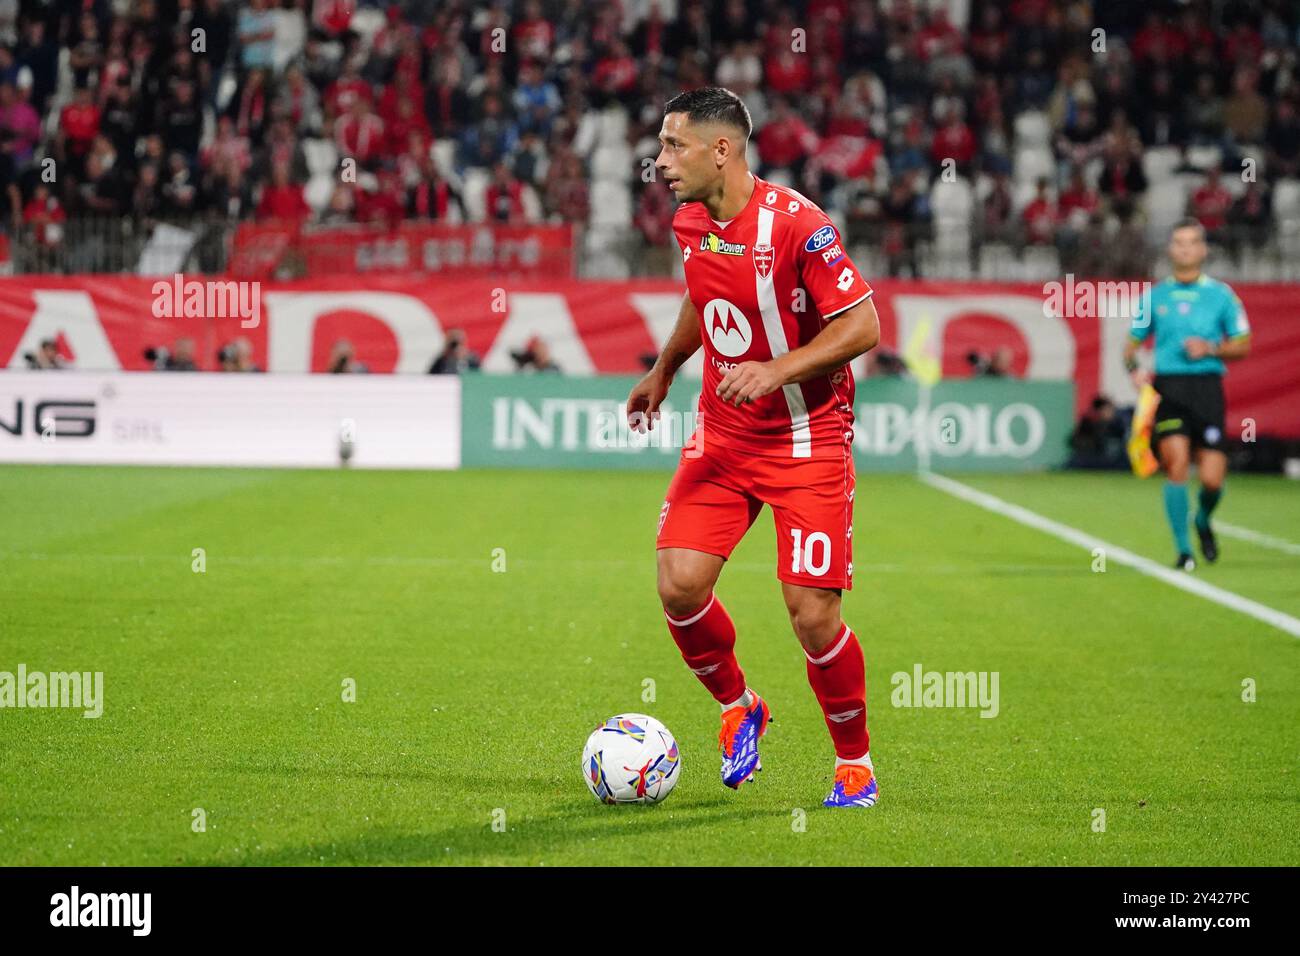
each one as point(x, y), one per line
point(714, 498)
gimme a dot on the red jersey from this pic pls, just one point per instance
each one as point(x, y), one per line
point(765, 283)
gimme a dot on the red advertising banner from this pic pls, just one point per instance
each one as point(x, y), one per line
point(259, 248)
point(465, 250)
point(399, 323)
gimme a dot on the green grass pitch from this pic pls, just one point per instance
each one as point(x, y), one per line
point(475, 687)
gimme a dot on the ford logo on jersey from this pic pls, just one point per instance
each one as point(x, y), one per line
point(820, 239)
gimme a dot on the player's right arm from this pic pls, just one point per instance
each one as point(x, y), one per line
point(1139, 331)
point(647, 395)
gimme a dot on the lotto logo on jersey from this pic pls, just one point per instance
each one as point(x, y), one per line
point(727, 327)
point(712, 243)
point(763, 258)
point(820, 239)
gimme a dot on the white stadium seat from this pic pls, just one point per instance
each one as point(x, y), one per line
point(998, 262)
point(473, 193)
point(611, 204)
point(1034, 163)
point(1040, 263)
point(611, 127)
point(1205, 157)
point(318, 190)
point(1160, 162)
point(953, 200)
point(612, 163)
point(1032, 130)
point(604, 253)
point(1286, 200)
point(1166, 203)
point(322, 156)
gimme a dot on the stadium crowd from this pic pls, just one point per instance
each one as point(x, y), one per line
point(959, 137)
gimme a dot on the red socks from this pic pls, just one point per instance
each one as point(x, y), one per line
point(839, 679)
point(838, 676)
point(707, 640)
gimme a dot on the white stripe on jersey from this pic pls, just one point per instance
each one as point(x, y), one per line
point(771, 313)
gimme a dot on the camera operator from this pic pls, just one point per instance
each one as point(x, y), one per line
point(343, 359)
point(535, 357)
point(237, 356)
point(997, 365)
point(456, 356)
point(47, 357)
point(180, 359)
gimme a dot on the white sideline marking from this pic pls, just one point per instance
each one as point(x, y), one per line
point(1179, 579)
point(1256, 537)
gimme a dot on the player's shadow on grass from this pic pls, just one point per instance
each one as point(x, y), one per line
point(527, 837)
point(440, 781)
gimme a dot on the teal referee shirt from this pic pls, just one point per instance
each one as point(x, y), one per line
point(1204, 308)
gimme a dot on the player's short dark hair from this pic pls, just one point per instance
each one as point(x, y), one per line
point(1188, 222)
point(712, 104)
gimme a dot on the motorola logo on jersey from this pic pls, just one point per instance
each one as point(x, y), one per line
point(820, 239)
point(728, 329)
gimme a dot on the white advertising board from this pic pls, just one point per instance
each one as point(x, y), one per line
point(207, 418)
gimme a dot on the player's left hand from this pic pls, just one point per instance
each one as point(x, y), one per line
point(1196, 348)
point(748, 382)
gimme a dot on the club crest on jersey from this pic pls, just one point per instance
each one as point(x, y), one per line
point(763, 259)
point(727, 328)
point(820, 239)
point(712, 243)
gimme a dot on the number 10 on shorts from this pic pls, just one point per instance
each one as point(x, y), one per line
point(811, 555)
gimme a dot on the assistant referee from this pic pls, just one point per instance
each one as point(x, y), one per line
point(1199, 323)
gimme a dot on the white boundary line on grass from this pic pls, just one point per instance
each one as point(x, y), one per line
point(1256, 537)
point(1179, 579)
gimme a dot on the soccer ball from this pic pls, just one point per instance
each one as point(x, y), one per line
point(631, 758)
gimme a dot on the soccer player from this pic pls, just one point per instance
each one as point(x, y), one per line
point(1199, 324)
point(780, 310)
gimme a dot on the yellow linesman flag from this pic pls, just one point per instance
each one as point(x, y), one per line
point(1140, 455)
point(920, 358)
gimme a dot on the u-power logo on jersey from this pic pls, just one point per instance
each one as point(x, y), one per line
point(715, 243)
point(820, 239)
point(729, 330)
